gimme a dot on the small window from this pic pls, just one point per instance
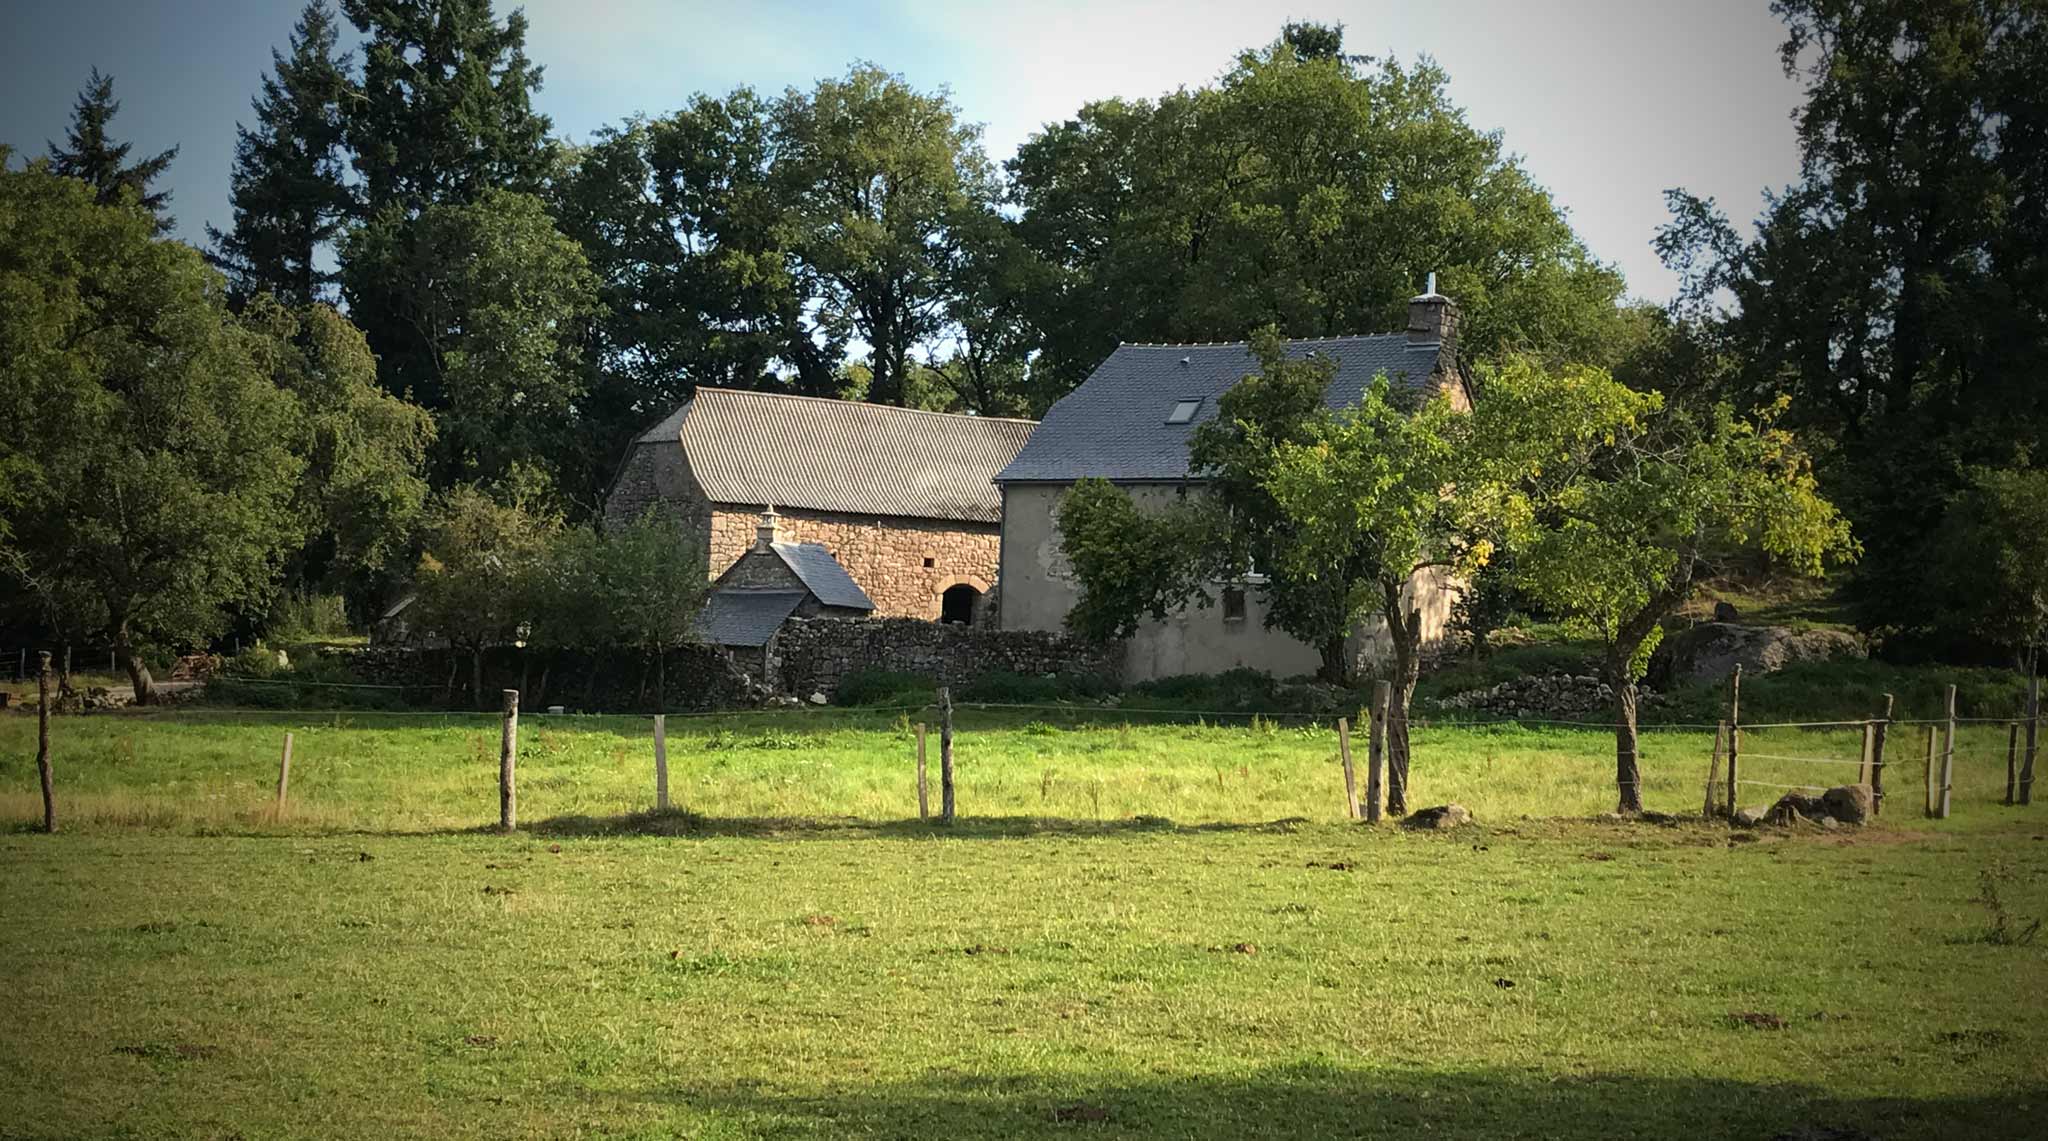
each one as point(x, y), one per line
point(1184, 411)
point(928, 562)
point(1233, 604)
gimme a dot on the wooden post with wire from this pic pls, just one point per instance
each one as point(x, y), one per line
point(661, 762)
point(924, 804)
point(2012, 762)
point(1879, 732)
point(1713, 771)
point(284, 772)
point(43, 742)
point(1927, 809)
point(1734, 733)
point(2033, 732)
point(1350, 781)
point(1863, 755)
point(945, 754)
point(508, 760)
point(1948, 756)
point(1376, 750)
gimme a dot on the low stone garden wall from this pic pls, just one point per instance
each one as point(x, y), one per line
point(812, 655)
point(617, 681)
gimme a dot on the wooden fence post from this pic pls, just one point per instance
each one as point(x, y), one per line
point(1350, 781)
point(284, 772)
point(924, 804)
point(508, 756)
point(1877, 737)
point(1928, 808)
point(945, 754)
point(2033, 734)
point(1734, 732)
point(43, 741)
point(2012, 762)
point(1863, 760)
point(1948, 755)
point(661, 762)
point(1713, 771)
point(1376, 750)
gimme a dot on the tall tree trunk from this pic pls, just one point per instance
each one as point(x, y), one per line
point(131, 661)
point(64, 680)
point(1404, 631)
point(1336, 667)
point(476, 677)
point(661, 681)
point(1628, 771)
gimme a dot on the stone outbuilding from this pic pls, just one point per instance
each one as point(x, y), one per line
point(902, 501)
point(1131, 422)
point(771, 583)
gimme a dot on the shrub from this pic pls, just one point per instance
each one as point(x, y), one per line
point(883, 687)
point(307, 617)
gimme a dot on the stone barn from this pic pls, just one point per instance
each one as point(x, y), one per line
point(903, 500)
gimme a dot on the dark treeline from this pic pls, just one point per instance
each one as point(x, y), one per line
point(424, 293)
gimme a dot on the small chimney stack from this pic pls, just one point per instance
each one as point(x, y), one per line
point(764, 530)
point(1432, 318)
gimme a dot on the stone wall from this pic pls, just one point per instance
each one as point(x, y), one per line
point(812, 655)
point(619, 681)
point(887, 556)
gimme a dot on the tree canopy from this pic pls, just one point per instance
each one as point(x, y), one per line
point(92, 155)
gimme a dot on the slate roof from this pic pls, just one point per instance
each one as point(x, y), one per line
point(746, 617)
point(1114, 425)
point(823, 576)
point(759, 448)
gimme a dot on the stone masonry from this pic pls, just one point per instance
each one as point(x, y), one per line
point(905, 565)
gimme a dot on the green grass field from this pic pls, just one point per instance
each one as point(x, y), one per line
point(1129, 933)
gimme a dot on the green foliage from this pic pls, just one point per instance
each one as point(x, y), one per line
point(1264, 199)
point(1006, 688)
point(287, 189)
point(301, 616)
point(481, 557)
point(1895, 292)
point(1993, 569)
point(637, 585)
point(884, 687)
point(91, 155)
point(1133, 563)
point(478, 312)
point(152, 455)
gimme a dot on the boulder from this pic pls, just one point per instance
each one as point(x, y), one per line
point(1848, 803)
point(1748, 817)
point(1795, 808)
point(1440, 816)
point(1708, 652)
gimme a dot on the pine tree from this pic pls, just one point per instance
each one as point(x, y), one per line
point(446, 109)
point(91, 155)
point(287, 188)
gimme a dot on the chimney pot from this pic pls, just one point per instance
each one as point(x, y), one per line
point(1432, 318)
point(764, 530)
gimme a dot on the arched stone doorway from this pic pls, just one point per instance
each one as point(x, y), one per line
point(958, 603)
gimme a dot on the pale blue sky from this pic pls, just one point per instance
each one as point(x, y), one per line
point(1609, 101)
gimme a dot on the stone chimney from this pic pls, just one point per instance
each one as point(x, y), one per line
point(1432, 318)
point(764, 530)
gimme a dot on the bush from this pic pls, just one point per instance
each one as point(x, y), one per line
point(258, 661)
point(883, 687)
point(301, 617)
point(1002, 687)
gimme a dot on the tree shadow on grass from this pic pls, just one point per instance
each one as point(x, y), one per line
point(1326, 1100)
point(677, 823)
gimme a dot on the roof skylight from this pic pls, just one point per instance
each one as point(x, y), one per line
point(1183, 411)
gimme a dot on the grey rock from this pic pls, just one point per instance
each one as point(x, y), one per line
point(1726, 612)
point(1748, 817)
point(1439, 817)
point(1708, 652)
point(820, 699)
point(1848, 803)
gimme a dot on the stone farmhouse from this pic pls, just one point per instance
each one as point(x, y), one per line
point(899, 501)
point(1130, 423)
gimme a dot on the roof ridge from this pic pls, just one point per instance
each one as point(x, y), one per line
point(1226, 344)
point(865, 404)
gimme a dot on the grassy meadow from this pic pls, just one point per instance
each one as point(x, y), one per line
point(1134, 930)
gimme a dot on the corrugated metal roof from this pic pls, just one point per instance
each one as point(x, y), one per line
point(824, 575)
point(1115, 425)
point(746, 617)
point(760, 448)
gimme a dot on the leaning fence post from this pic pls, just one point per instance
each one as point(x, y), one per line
point(1948, 755)
point(661, 762)
point(1376, 749)
point(1713, 771)
point(1350, 781)
point(2033, 735)
point(1878, 734)
point(43, 741)
point(508, 754)
point(1734, 732)
point(1928, 808)
point(284, 771)
point(924, 804)
point(1863, 759)
point(2012, 761)
point(945, 754)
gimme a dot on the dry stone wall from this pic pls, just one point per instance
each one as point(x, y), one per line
point(813, 655)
